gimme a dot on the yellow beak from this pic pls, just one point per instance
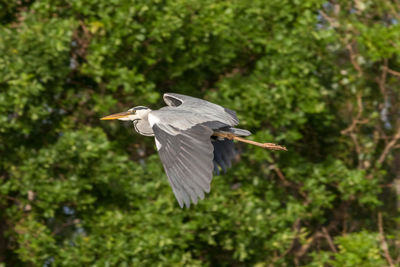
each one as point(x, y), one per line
point(117, 116)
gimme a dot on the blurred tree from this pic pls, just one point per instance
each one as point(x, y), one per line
point(321, 77)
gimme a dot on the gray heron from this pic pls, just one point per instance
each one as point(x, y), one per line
point(194, 138)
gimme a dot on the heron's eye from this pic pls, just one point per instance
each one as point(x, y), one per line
point(133, 112)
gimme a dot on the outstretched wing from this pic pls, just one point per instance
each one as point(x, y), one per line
point(187, 158)
point(210, 110)
point(183, 133)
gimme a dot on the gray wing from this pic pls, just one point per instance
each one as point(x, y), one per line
point(187, 158)
point(212, 111)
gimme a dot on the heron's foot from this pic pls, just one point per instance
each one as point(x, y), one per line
point(273, 146)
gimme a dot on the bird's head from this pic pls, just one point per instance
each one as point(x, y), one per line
point(133, 114)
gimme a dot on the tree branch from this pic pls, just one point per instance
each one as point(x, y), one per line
point(290, 184)
point(389, 146)
point(353, 59)
point(384, 245)
point(329, 239)
point(393, 72)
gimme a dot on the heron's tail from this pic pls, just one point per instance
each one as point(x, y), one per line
point(234, 131)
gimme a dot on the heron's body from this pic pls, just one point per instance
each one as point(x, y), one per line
point(189, 135)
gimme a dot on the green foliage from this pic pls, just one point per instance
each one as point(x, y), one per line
point(320, 77)
point(357, 249)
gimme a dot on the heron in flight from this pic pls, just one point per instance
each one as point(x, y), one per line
point(194, 138)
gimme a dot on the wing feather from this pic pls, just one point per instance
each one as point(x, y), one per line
point(210, 110)
point(187, 157)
